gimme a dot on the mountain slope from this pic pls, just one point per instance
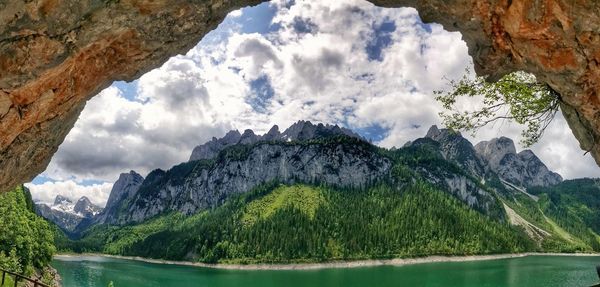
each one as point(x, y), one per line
point(573, 205)
point(299, 131)
point(25, 238)
point(302, 223)
point(120, 197)
point(305, 152)
point(316, 192)
point(324, 154)
point(524, 168)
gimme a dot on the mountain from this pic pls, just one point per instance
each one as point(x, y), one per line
point(320, 192)
point(197, 185)
point(121, 194)
point(305, 223)
point(524, 168)
point(299, 131)
point(457, 149)
point(498, 156)
point(309, 153)
point(66, 214)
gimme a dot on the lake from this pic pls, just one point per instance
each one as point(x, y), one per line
point(528, 271)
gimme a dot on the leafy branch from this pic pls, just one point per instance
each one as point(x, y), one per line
point(517, 97)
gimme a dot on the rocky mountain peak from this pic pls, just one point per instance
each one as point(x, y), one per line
point(123, 185)
point(248, 137)
point(498, 155)
point(67, 215)
point(272, 134)
point(231, 137)
point(433, 132)
point(86, 208)
point(59, 199)
point(122, 191)
point(496, 149)
point(305, 130)
point(82, 204)
point(523, 168)
point(456, 148)
point(299, 131)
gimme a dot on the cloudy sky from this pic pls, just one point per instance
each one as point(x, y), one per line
point(341, 62)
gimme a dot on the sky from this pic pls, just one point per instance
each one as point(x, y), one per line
point(342, 62)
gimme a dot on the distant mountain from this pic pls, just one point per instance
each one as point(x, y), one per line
point(497, 156)
point(299, 131)
point(66, 214)
point(524, 168)
point(305, 152)
point(322, 190)
point(236, 163)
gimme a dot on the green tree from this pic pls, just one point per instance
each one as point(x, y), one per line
point(517, 97)
point(26, 240)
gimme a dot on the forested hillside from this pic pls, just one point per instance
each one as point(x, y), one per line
point(26, 240)
point(301, 223)
point(575, 206)
point(338, 197)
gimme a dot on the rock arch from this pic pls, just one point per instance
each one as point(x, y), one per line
point(57, 54)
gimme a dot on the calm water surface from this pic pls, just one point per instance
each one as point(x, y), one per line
point(543, 271)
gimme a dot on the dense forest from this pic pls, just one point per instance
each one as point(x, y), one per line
point(301, 223)
point(574, 206)
point(26, 240)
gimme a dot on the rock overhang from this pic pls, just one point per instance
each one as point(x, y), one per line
point(57, 54)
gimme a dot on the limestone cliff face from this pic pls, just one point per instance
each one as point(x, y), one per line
point(457, 149)
point(121, 194)
point(494, 157)
point(198, 185)
point(55, 55)
point(523, 169)
point(299, 131)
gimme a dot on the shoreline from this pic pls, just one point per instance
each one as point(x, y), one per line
point(329, 265)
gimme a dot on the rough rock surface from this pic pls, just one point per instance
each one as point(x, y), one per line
point(196, 185)
point(123, 190)
point(55, 55)
point(523, 168)
point(85, 207)
point(497, 156)
point(299, 131)
point(457, 149)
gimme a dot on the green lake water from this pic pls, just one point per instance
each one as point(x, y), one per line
point(532, 271)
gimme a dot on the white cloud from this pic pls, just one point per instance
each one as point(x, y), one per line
point(235, 13)
point(46, 192)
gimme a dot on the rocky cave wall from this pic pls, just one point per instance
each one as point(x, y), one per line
point(57, 54)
